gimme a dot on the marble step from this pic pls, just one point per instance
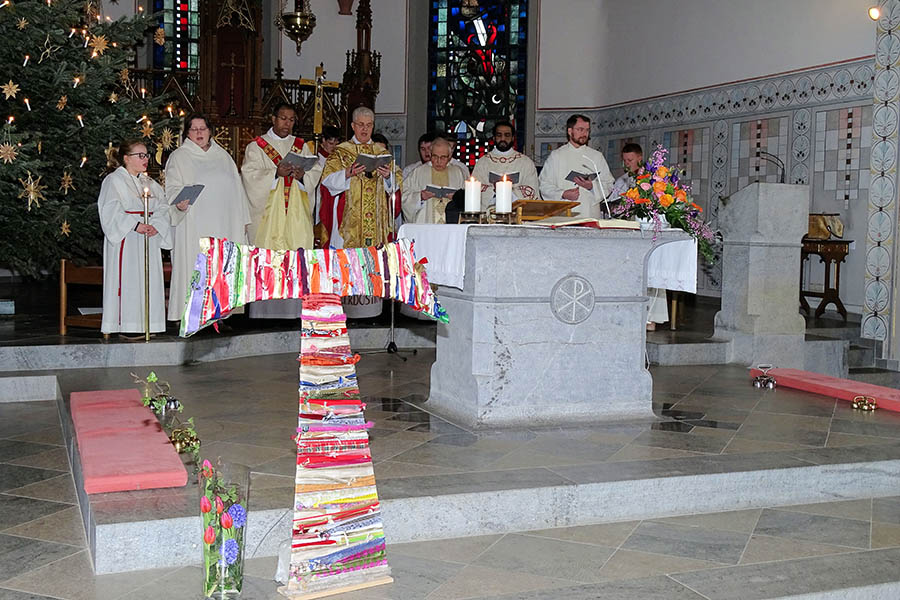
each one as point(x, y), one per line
point(876, 376)
point(860, 356)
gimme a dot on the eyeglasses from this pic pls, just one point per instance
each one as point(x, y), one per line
point(140, 155)
point(198, 129)
point(440, 156)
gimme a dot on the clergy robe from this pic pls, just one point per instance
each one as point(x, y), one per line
point(416, 210)
point(569, 158)
point(367, 218)
point(221, 210)
point(121, 210)
point(503, 163)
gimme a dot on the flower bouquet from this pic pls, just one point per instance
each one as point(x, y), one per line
point(659, 196)
point(223, 510)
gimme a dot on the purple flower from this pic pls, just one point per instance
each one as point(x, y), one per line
point(230, 550)
point(238, 514)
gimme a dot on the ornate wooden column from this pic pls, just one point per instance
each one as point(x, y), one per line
point(363, 70)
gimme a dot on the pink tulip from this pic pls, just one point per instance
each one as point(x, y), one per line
point(219, 506)
point(209, 536)
point(227, 521)
point(645, 186)
point(205, 504)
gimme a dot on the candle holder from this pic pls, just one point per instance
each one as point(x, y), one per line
point(509, 218)
point(472, 217)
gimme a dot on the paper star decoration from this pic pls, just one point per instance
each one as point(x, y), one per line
point(65, 229)
point(159, 36)
point(99, 43)
point(22, 24)
point(7, 153)
point(61, 104)
point(124, 75)
point(65, 183)
point(33, 190)
point(113, 97)
point(147, 129)
point(167, 139)
point(48, 49)
point(9, 89)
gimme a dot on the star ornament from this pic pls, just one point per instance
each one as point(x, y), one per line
point(99, 43)
point(22, 24)
point(124, 75)
point(33, 190)
point(65, 229)
point(61, 103)
point(147, 129)
point(9, 89)
point(65, 183)
point(167, 139)
point(113, 97)
point(7, 153)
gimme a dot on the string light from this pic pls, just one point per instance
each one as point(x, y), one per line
point(80, 120)
point(141, 119)
point(94, 54)
point(28, 104)
point(72, 32)
point(76, 82)
point(180, 113)
point(143, 95)
point(10, 119)
point(5, 4)
point(26, 60)
point(140, 9)
point(86, 40)
point(83, 160)
point(169, 108)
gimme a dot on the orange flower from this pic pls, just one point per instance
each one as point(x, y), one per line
point(633, 194)
point(659, 187)
point(666, 200)
point(661, 171)
point(681, 195)
point(641, 200)
point(696, 207)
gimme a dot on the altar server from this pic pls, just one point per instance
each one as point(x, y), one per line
point(221, 210)
point(504, 160)
point(121, 208)
point(576, 156)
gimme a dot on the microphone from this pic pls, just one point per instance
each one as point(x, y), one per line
point(768, 156)
point(600, 183)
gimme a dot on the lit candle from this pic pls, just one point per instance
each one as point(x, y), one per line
point(86, 40)
point(26, 60)
point(10, 119)
point(169, 108)
point(80, 120)
point(473, 195)
point(76, 82)
point(503, 191)
point(28, 104)
point(83, 160)
point(141, 119)
point(72, 32)
point(5, 4)
point(143, 92)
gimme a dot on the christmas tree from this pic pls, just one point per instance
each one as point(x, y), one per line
point(65, 96)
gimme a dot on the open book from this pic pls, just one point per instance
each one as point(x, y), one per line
point(188, 192)
point(372, 162)
point(297, 160)
point(441, 192)
point(573, 174)
point(554, 222)
point(495, 177)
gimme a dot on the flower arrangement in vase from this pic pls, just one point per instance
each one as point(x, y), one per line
point(224, 493)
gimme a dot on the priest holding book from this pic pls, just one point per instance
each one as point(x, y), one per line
point(365, 173)
point(504, 160)
point(571, 171)
point(431, 186)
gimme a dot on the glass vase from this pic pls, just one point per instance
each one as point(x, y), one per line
point(224, 495)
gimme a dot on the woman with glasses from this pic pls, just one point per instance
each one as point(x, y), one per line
point(221, 210)
point(121, 207)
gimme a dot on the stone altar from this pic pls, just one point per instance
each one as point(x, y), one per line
point(548, 328)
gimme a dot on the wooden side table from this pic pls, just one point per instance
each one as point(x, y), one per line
point(832, 253)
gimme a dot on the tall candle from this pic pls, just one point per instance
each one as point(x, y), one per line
point(473, 195)
point(503, 191)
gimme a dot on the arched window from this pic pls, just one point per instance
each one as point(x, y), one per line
point(477, 61)
point(181, 21)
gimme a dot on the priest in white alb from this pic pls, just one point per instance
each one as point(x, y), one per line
point(121, 208)
point(281, 198)
point(504, 160)
point(421, 205)
point(583, 163)
point(221, 210)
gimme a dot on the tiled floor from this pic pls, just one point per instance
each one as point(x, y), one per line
point(708, 411)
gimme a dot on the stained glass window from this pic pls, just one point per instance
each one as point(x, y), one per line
point(181, 21)
point(477, 61)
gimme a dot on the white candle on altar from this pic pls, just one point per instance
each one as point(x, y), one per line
point(473, 195)
point(503, 191)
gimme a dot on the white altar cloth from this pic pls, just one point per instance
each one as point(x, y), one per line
point(672, 266)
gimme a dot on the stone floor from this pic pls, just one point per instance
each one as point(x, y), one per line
point(745, 554)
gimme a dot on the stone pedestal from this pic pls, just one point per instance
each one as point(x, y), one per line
point(548, 329)
point(762, 226)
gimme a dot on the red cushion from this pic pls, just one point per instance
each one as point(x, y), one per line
point(121, 444)
point(835, 387)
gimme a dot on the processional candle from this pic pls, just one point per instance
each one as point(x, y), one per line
point(504, 195)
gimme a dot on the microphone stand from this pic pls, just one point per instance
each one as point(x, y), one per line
point(600, 183)
point(768, 156)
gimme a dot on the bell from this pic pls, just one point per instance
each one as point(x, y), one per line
point(184, 440)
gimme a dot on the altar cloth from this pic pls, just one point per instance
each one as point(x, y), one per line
point(672, 266)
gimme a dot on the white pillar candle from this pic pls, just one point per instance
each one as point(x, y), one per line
point(473, 195)
point(503, 192)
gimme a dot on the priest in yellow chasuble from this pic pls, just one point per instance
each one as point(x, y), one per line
point(281, 194)
point(367, 218)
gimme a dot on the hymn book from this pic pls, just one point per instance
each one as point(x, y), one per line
point(188, 192)
point(373, 162)
point(573, 174)
point(495, 177)
point(554, 222)
point(441, 192)
point(298, 160)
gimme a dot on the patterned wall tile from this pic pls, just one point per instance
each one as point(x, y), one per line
point(841, 162)
point(749, 140)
